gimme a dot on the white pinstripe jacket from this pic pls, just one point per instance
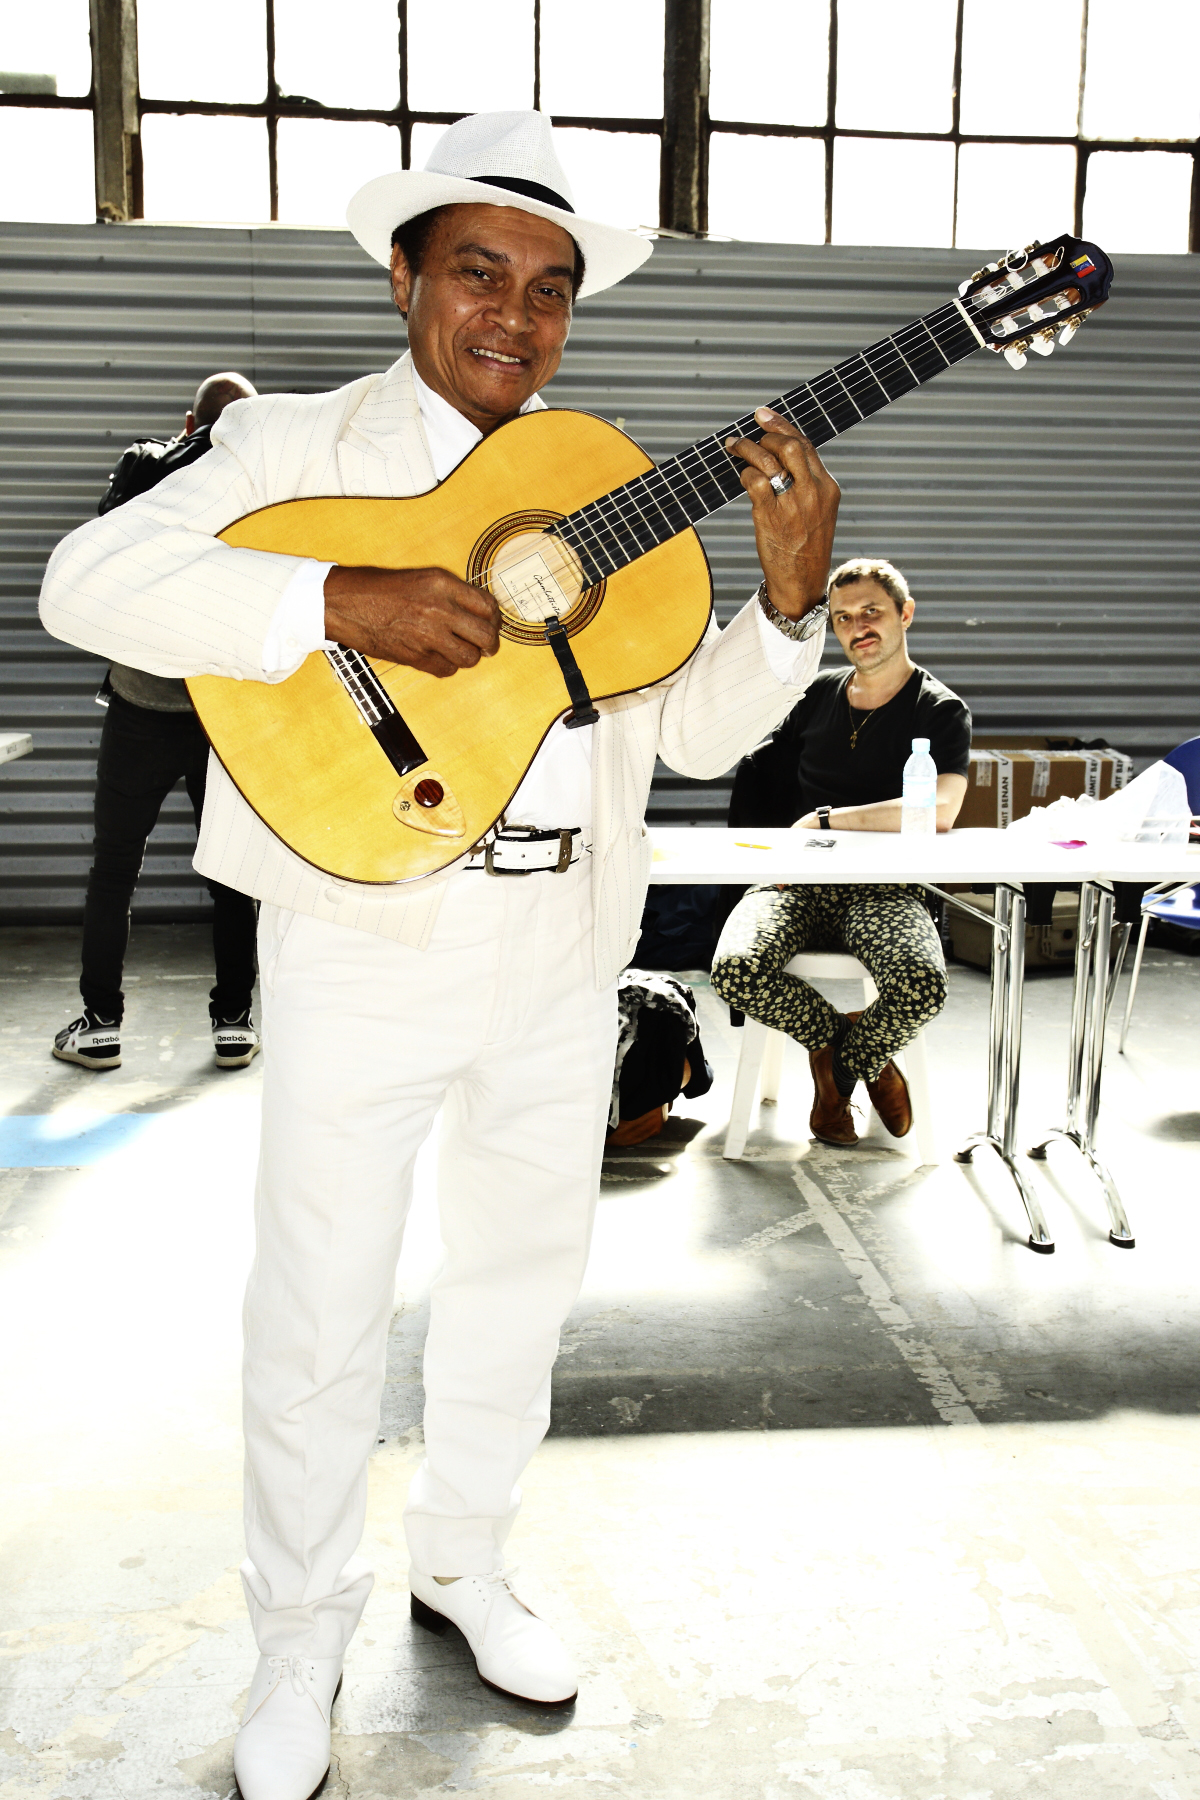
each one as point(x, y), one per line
point(150, 585)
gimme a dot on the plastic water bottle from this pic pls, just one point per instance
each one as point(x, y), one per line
point(918, 814)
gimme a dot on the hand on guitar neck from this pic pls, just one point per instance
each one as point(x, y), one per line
point(793, 530)
point(426, 619)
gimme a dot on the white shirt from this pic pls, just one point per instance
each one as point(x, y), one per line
point(557, 790)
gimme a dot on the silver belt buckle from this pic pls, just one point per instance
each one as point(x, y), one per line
point(489, 862)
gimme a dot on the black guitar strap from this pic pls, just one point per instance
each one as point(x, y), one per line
point(583, 711)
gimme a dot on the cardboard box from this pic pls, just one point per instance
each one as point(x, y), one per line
point(1007, 781)
point(1046, 946)
point(1024, 740)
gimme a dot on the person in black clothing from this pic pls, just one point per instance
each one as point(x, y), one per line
point(837, 763)
point(151, 737)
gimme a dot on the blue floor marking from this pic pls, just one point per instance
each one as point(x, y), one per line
point(66, 1140)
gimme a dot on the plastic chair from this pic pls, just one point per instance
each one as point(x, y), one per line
point(1183, 906)
point(1179, 908)
point(762, 1051)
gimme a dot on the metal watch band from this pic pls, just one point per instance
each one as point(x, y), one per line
point(796, 629)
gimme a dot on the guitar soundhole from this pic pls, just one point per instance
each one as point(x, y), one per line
point(529, 580)
point(429, 793)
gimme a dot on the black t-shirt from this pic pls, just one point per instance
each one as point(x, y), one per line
point(808, 762)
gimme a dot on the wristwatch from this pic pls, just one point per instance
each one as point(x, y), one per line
point(823, 819)
point(796, 629)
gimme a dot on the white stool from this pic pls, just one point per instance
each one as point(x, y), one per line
point(762, 1050)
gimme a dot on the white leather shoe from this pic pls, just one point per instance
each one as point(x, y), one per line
point(515, 1652)
point(281, 1751)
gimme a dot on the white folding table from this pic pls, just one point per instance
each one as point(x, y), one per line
point(1004, 859)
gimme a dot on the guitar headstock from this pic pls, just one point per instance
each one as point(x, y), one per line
point(1033, 297)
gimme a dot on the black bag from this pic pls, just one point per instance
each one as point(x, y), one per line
point(657, 1033)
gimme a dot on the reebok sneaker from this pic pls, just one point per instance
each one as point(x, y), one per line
point(93, 1042)
point(235, 1041)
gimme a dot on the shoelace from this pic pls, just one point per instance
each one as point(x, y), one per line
point(292, 1666)
point(498, 1580)
point(83, 1023)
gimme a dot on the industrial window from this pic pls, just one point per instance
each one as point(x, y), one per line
point(843, 121)
point(946, 122)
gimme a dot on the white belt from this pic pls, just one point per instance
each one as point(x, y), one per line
point(524, 850)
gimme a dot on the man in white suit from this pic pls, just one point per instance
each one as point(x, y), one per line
point(490, 999)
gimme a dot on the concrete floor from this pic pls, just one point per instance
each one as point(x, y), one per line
point(848, 1496)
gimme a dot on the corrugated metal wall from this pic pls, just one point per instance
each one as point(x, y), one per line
point(1045, 519)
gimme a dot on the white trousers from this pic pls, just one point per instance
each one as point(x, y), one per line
point(500, 1024)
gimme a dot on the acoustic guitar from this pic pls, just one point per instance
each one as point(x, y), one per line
point(373, 772)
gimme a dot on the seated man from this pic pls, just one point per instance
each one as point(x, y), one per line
point(838, 760)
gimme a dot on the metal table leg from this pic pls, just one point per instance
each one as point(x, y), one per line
point(1090, 1000)
point(1004, 1056)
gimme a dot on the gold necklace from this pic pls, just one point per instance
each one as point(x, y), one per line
point(855, 729)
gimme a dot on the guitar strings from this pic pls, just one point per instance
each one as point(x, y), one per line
point(613, 511)
point(620, 526)
point(611, 521)
point(654, 485)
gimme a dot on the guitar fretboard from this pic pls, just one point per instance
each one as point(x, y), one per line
point(615, 530)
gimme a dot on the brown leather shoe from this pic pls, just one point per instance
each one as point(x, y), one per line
point(830, 1119)
point(890, 1098)
point(889, 1094)
point(636, 1131)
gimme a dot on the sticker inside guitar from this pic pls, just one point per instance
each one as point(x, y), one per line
point(534, 577)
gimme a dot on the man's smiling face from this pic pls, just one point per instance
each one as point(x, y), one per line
point(489, 309)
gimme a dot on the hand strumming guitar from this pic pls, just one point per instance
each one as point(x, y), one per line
point(426, 619)
point(793, 530)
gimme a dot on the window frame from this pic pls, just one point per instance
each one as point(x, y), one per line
point(275, 106)
point(1084, 147)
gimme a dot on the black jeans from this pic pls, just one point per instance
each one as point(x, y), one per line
point(142, 756)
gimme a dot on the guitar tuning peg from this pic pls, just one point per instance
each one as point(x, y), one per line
point(1071, 327)
point(1043, 343)
point(1015, 356)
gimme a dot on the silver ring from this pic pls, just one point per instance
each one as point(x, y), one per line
point(781, 483)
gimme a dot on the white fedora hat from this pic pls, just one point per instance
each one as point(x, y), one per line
point(494, 159)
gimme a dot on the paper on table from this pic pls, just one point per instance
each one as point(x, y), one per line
point(1153, 809)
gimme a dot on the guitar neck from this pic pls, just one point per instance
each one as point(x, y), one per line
point(615, 530)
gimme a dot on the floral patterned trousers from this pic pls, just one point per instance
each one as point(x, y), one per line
point(887, 928)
